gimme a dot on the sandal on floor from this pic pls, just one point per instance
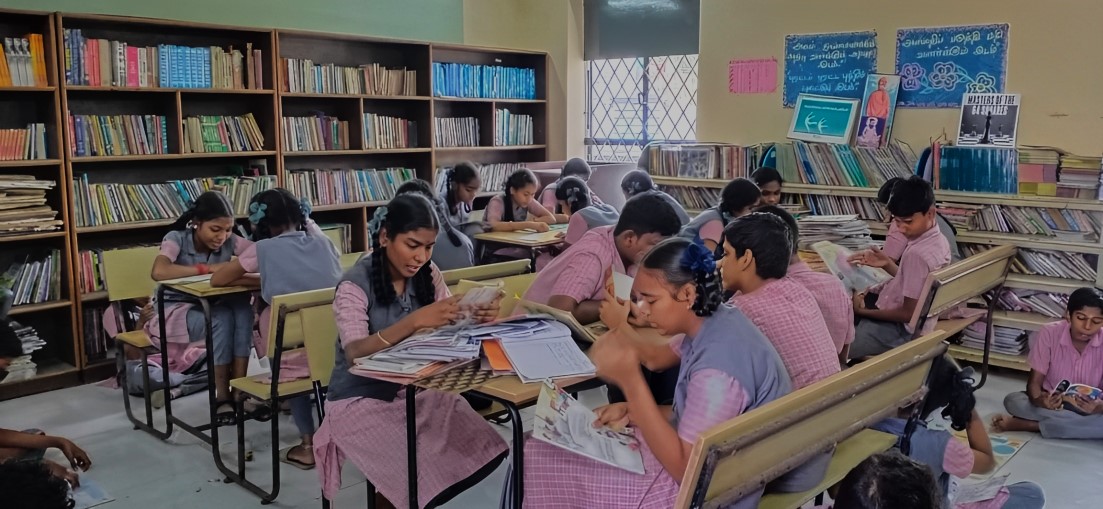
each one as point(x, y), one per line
point(285, 457)
point(224, 417)
point(257, 412)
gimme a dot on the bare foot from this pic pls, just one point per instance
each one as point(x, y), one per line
point(1002, 423)
point(999, 421)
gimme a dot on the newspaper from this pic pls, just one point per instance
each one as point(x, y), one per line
point(856, 278)
point(564, 422)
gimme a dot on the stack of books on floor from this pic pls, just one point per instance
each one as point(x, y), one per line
point(383, 132)
point(493, 176)
point(310, 134)
point(340, 234)
point(483, 81)
point(1005, 340)
point(845, 230)
point(333, 187)
point(842, 165)
point(1064, 224)
point(1038, 171)
point(1079, 177)
point(512, 129)
point(1057, 264)
point(693, 198)
point(457, 132)
point(118, 135)
point(23, 62)
point(33, 277)
point(211, 133)
point(23, 144)
point(96, 343)
point(1052, 305)
point(23, 205)
point(305, 76)
point(99, 204)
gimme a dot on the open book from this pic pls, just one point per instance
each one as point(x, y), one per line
point(564, 422)
point(854, 277)
point(1082, 391)
point(580, 332)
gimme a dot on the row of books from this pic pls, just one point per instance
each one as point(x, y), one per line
point(23, 144)
point(33, 277)
point(100, 204)
point(337, 186)
point(1058, 264)
point(1064, 224)
point(97, 345)
point(483, 81)
point(23, 207)
point(340, 234)
point(211, 133)
point(383, 132)
point(703, 160)
point(23, 62)
point(109, 63)
point(493, 176)
point(977, 169)
point(512, 129)
point(91, 271)
point(118, 135)
point(1048, 304)
point(309, 134)
point(693, 198)
point(842, 165)
point(305, 76)
point(1005, 340)
point(833, 205)
point(457, 131)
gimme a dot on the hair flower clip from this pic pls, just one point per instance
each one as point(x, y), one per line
point(257, 211)
point(304, 206)
point(698, 259)
point(377, 220)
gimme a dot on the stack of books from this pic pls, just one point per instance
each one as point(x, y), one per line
point(1048, 304)
point(23, 207)
point(457, 132)
point(23, 144)
point(210, 133)
point(961, 215)
point(107, 63)
point(1038, 171)
point(493, 176)
point(1058, 264)
point(693, 198)
point(1079, 177)
point(383, 132)
point(33, 277)
point(842, 165)
point(23, 62)
point(483, 81)
point(512, 129)
point(833, 205)
point(118, 135)
point(338, 186)
point(311, 134)
point(1005, 340)
point(844, 230)
point(100, 204)
point(1064, 224)
point(303, 76)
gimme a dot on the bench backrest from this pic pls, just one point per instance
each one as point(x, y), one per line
point(127, 272)
point(484, 272)
point(740, 456)
point(957, 283)
point(350, 259)
point(305, 319)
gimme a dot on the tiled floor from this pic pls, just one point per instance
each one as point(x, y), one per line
point(142, 472)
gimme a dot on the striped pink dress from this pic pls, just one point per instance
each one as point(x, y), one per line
point(453, 441)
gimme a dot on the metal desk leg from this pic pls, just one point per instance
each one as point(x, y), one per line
point(163, 340)
point(411, 444)
point(517, 474)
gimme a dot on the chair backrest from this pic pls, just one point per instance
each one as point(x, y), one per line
point(484, 272)
point(513, 287)
point(305, 319)
point(126, 272)
point(958, 282)
point(739, 456)
point(350, 259)
point(605, 182)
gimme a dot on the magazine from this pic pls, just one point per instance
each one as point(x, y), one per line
point(1082, 391)
point(564, 422)
point(856, 278)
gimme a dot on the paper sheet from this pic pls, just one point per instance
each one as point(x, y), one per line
point(562, 421)
point(90, 494)
point(758, 76)
point(978, 492)
point(622, 285)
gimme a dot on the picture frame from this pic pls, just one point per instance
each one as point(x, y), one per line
point(823, 119)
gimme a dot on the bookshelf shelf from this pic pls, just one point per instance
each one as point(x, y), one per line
point(1017, 362)
point(311, 153)
point(167, 90)
point(480, 100)
point(93, 296)
point(1045, 283)
point(497, 148)
point(30, 237)
point(27, 163)
point(1021, 320)
point(34, 308)
point(357, 96)
point(162, 157)
point(26, 89)
point(1027, 241)
point(349, 206)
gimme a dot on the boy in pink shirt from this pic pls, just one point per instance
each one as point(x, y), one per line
point(884, 312)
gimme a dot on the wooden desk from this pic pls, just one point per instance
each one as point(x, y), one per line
point(528, 240)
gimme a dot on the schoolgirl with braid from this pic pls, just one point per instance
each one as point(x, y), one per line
point(382, 300)
point(581, 212)
point(727, 368)
point(457, 190)
point(517, 208)
point(291, 255)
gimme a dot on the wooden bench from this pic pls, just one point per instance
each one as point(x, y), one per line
point(484, 272)
point(981, 275)
point(740, 456)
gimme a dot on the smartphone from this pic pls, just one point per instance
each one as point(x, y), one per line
point(1061, 387)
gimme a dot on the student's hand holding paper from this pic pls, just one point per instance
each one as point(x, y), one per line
point(1049, 401)
point(871, 258)
point(488, 312)
point(1084, 405)
point(614, 416)
point(614, 311)
point(615, 360)
point(437, 314)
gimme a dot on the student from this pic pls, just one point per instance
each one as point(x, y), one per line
point(292, 255)
point(888, 480)
point(202, 241)
point(727, 368)
point(885, 310)
point(830, 294)
point(1069, 349)
point(769, 181)
point(895, 241)
point(756, 256)
point(460, 186)
point(192, 374)
point(18, 446)
point(517, 209)
point(453, 249)
point(638, 182)
point(584, 215)
point(576, 167)
point(951, 389)
point(737, 199)
point(31, 485)
point(380, 301)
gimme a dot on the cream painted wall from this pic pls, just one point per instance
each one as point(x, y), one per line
point(1055, 62)
point(554, 26)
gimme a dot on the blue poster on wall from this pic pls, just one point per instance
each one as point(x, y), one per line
point(828, 64)
point(937, 66)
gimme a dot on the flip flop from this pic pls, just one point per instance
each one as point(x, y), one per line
point(284, 458)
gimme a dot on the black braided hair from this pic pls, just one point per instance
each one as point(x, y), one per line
point(208, 206)
point(30, 484)
point(422, 188)
point(281, 211)
point(405, 213)
point(520, 177)
point(636, 182)
point(460, 174)
point(668, 257)
point(575, 192)
point(950, 387)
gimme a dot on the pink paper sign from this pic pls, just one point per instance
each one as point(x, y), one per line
point(752, 76)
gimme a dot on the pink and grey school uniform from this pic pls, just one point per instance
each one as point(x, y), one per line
point(549, 201)
point(589, 218)
point(579, 272)
point(495, 211)
point(831, 297)
point(708, 225)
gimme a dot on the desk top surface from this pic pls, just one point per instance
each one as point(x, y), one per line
point(203, 289)
point(525, 239)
